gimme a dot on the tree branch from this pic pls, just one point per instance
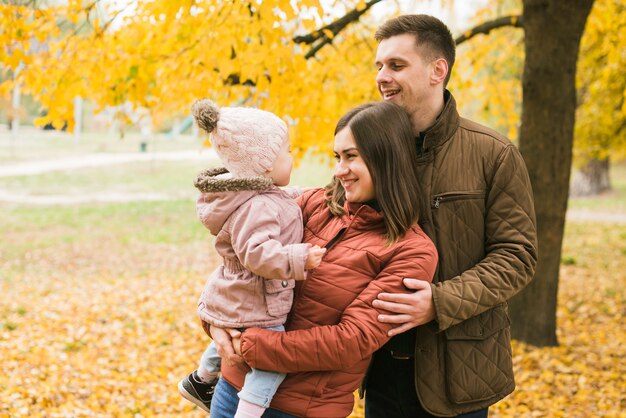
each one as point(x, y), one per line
point(486, 27)
point(322, 34)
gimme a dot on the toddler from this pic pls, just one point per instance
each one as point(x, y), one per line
point(258, 233)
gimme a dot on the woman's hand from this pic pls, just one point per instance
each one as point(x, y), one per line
point(224, 339)
point(410, 310)
point(237, 345)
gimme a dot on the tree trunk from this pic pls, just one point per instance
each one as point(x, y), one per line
point(592, 179)
point(553, 29)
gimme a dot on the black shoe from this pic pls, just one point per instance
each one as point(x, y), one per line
point(195, 390)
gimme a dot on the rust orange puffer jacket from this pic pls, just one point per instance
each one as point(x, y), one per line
point(333, 328)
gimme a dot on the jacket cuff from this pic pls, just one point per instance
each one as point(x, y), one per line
point(297, 257)
point(247, 345)
point(437, 304)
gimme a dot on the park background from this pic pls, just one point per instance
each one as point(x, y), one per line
point(102, 258)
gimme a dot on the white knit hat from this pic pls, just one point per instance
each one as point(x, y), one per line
point(247, 140)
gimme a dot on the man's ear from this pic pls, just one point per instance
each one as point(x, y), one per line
point(439, 71)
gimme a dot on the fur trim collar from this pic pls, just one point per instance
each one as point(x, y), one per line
point(208, 181)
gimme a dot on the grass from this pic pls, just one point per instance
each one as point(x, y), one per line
point(145, 177)
point(613, 201)
point(171, 178)
point(98, 315)
point(34, 144)
point(31, 228)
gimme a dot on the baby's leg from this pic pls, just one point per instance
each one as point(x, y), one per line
point(210, 364)
point(258, 390)
point(199, 386)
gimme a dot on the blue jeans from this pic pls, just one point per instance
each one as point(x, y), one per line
point(390, 390)
point(225, 401)
point(260, 385)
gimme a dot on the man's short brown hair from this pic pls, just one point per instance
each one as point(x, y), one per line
point(431, 35)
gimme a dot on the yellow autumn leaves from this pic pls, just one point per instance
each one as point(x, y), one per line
point(162, 55)
point(601, 116)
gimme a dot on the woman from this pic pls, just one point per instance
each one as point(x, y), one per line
point(367, 224)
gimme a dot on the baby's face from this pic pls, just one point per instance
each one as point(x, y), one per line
point(281, 169)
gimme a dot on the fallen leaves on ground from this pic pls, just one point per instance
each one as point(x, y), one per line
point(97, 332)
point(585, 376)
point(106, 329)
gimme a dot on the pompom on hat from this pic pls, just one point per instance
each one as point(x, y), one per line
point(247, 140)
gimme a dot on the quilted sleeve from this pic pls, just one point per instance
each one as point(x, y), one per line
point(510, 248)
point(255, 229)
point(358, 334)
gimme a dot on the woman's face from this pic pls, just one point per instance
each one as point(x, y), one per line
point(351, 169)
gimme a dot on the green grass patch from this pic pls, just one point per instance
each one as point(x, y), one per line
point(36, 144)
point(29, 228)
point(173, 178)
point(139, 177)
point(589, 244)
point(613, 201)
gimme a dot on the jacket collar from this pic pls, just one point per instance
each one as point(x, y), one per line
point(214, 180)
point(222, 195)
point(445, 125)
point(362, 216)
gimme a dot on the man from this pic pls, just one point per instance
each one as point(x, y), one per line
point(451, 354)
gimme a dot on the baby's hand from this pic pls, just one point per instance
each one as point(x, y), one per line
point(314, 258)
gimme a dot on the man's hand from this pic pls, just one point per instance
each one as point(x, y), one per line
point(410, 310)
point(223, 339)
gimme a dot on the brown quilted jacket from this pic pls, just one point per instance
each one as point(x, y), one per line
point(479, 212)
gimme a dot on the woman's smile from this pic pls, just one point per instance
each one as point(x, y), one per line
point(351, 169)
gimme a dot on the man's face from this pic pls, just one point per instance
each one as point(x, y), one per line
point(404, 77)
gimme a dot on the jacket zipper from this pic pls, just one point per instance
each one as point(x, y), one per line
point(336, 238)
point(445, 197)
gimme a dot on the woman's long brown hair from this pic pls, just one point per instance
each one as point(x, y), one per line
point(383, 135)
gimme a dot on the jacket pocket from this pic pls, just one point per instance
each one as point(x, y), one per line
point(479, 364)
point(438, 199)
point(278, 296)
point(459, 227)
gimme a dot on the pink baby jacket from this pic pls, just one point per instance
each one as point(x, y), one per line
point(258, 233)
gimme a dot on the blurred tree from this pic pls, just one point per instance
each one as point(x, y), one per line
point(489, 71)
point(552, 30)
point(600, 134)
point(269, 53)
point(552, 33)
